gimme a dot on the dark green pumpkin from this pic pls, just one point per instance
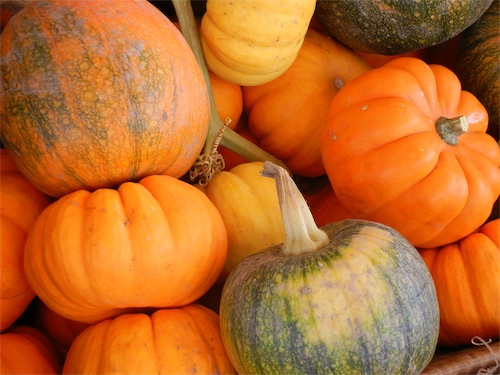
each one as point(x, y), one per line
point(478, 64)
point(364, 303)
point(391, 27)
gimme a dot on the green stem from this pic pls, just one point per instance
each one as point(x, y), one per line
point(230, 138)
point(449, 129)
point(302, 235)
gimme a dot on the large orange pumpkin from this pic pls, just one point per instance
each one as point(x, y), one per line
point(156, 243)
point(405, 146)
point(20, 205)
point(26, 350)
point(467, 278)
point(96, 93)
point(287, 115)
point(184, 340)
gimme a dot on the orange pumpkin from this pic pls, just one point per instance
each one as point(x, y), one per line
point(184, 340)
point(249, 206)
point(20, 205)
point(96, 93)
point(405, 146)
point(287, 115)
point(228, 99)
point(60, 330)
point(467, 278)
point(26, 350)
point(156, 243)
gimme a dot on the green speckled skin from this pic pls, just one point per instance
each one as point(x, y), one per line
point(396, 26)
point(365, 304)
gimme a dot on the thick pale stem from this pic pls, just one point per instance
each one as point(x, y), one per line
point(301, 232)
point(230, 138)
point(449, 129)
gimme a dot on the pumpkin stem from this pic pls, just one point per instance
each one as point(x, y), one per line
point(449, 129)
point(301, 232)
point(230, 139)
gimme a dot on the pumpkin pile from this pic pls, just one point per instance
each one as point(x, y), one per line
point(246, 187)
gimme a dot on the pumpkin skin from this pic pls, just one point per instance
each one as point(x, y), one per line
point(287, 115)
point(478, 63)
point(26, 350)
point(184, 340)
point(160, 240)
point(467, 278)
point(390, 27)
point(387, 162)
point(251, 42)
point(20, 205)
point(115, 94)
point(365, 303)
point(236, 193)
point(228, 99)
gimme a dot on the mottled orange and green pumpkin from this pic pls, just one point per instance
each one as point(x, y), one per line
point(96, 93)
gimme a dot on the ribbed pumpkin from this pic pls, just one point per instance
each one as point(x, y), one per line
point(404, 145)
point(156, 243)
point(287, 115)
point(248, 204)
point(478, 63)
point(184, 340)
point(251, 42)
point(26, 350)
point(467, 278)
point(96, 93)
point(351, 298)
point(20, 205)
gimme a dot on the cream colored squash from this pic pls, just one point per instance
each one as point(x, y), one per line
point(251, 42)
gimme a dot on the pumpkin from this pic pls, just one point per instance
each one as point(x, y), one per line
point(353, 297)
point(96, 93)
point(287, 115)
point(156, 243)
point(59, 330)
point(393, 27)
point(251, 42)
point(228, 99)
point(183, 340)
point(478, 63)
point(467, 278)
point(20, 205)
point(236, 193)
point(405, 146)
point(26, 350)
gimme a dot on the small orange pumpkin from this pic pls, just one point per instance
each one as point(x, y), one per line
point(287, 115)
point(404, 145)
point(156, 243)
point(183, 340)
point(26, 350)
point(20, 205)
point(467, 278)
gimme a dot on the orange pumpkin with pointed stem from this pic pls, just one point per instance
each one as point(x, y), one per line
point(467, 278)
point(404, 145)
point(156, 243)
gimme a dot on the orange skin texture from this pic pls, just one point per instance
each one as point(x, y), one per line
point(287, 115)
point(387, 163)
point(26, 350)
point(20, 205)
point(182, 340)
point(467, 278)
point(116, 95)
point(156, 243)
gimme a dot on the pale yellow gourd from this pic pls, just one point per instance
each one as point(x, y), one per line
point(251, 42)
